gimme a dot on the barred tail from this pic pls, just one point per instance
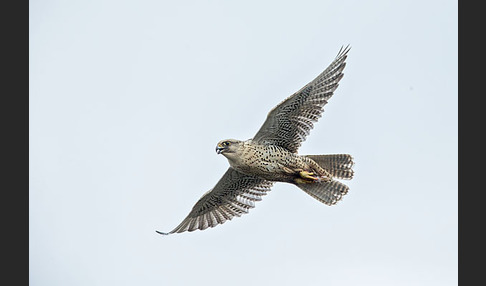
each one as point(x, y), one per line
point(326, 192)
point(338, 165)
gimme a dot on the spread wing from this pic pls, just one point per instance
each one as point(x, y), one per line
point(234, 194)
point(288, 124)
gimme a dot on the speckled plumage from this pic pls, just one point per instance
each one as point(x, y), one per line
point(271, 156)
point(270, 162)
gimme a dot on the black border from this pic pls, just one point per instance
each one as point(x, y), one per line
point(15, 139)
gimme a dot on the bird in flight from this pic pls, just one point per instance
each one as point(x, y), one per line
point(271, 156)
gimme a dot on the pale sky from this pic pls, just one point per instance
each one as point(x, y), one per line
point(129, 98)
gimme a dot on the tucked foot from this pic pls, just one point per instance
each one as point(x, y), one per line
point(308, 175)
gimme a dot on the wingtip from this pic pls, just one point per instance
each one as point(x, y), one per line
point(343, 50)
point(162, 233)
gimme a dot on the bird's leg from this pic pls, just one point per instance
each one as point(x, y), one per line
point(323, 174)
point(308, 175)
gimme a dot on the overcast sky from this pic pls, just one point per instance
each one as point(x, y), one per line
point(129, 98)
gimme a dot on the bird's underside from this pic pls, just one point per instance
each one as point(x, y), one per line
point(271, 162)
point(271, 156)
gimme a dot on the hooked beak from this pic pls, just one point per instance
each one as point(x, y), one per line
point(219, 149)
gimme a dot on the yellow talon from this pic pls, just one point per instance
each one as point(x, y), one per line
point(308, 175)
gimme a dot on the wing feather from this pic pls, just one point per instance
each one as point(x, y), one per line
point(234, 194)
point(288, 124)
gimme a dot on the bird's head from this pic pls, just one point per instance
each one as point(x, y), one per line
point(227, 146)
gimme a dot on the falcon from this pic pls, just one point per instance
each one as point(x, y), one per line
point(271, 156)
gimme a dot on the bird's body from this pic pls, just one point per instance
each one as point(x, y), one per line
point(271, 162)
point(271, 156)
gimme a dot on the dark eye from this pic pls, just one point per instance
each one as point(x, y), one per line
point(226, 143)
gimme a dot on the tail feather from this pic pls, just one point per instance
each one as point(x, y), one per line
point(326, 192)
point(338, 165)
